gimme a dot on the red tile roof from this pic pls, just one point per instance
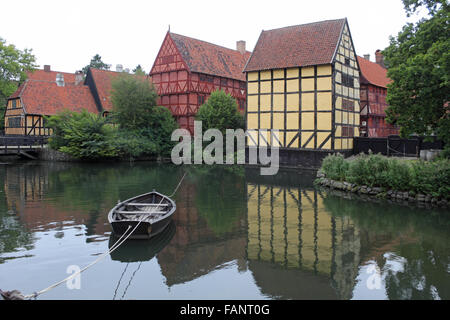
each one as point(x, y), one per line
point(102, 80)
point(208, 58)
point(297, 46)
point(50, 75)
point(373, 72)
point(44, 97)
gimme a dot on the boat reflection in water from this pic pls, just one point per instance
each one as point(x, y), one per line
point(138, 250)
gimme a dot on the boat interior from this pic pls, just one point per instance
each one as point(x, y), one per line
point(147, 208)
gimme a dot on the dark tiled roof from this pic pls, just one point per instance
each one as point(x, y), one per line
point(44, 97)
point(296, 46)
point(208, 58)
point(373, 72)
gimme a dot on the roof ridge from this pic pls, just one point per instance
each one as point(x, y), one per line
point(307, 24)
point(207, 42)
point(52, 71)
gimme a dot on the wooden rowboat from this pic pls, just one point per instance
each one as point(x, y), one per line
point(150, 212)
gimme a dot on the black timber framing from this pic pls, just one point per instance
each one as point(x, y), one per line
point(89, 81)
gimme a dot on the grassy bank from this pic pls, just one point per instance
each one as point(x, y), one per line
point(387, 177)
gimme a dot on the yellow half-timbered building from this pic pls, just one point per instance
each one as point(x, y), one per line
point(304, 82)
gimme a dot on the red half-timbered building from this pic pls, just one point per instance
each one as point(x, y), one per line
point(187, 70)
point(373, 83)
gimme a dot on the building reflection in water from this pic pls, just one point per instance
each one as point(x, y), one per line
point(292, 236)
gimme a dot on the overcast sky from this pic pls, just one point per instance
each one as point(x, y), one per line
point(66, 34)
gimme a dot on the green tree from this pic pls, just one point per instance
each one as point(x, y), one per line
point(14, 64)
point(133, 99)
point(433, 6)
point(220, 112)
point(139, 70)
point(139, 118)
point(419, 66)
point(97, 63)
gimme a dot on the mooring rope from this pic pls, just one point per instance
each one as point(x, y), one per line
point(118, 243)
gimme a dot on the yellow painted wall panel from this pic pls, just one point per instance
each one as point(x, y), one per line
point(308, 121)
point(289, 137)
point(252, 76)
point(321, 137)
point(252, 87)
point(307, 101)
point(278, 121)
point(292, 85)
point(292, 73)
point(252, 103)
point(266, 87)
point(324, 83)
point(324, 70)
point(278, 86)
point(338, 132)
point(253, 136)
point(308, 85)
point(345, 117)
point(265, 104)
point(337, 144)
point(324, 121)
point(278, 138)
point(305, 137)
point(344, 144)
point(338, 89)
point(13, 112)
point(339, 103)
point(265, 120)
point(350, 143)
point(356, 132)
point(252, 121)
point(278, 73)
point(292, 101)
point(324, 101)
point(308, 72)
point(266, 75)
point(278, 102)
point(292, 121)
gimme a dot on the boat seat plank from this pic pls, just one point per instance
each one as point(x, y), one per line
point(147, 204)
point(140, 212)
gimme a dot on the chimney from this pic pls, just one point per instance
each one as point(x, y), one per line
point(240, 46)
point(379, 59)
point(119, 68)
point(47, 68)
point(79, 77)
point(367, 57)
point(60, 80)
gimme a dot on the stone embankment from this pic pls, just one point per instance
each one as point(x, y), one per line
point(379, 193)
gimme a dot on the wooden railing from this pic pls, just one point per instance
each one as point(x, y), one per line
point(10, 144)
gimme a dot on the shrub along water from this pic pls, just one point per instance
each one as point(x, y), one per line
point(416, 176)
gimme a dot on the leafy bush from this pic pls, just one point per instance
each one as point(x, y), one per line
point(398, 175)
point(82, 135)
point(431, 178)
point(335, 167)
point(390, 173)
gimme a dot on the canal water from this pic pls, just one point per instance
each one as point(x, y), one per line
point(235, 235)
